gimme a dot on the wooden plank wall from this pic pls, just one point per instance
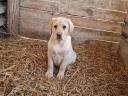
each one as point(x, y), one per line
point(93, 19)
point(13, 16)
point(2, 12)
point(125, 28)
point(123, 45)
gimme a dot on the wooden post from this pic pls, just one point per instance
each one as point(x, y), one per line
point(2, 11)
point(123, 46)
point(13, 16)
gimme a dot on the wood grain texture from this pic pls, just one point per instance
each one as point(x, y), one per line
point(117, 5)
point(93, 19)
point(13, 16)
point(96, 9)
point(126, 19)
point(2, 7)
point(2, 20)
point(82, 34)
point(125, 30)
point(41, 16)
point(94, 24)
point(79, 35)
point(34, 23)
point(123, 51)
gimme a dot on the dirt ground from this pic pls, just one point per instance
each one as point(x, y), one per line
point(98, 70)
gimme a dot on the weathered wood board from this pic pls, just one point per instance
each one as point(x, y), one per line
point(126, 19)
point(34, 23)
point(2, 11)
point(2, 20)
point(31, 14)
point(78, 35)
point(2, 7)
point(117, 5)
point(125, 30)
point(13, 16)
point(86, 8)
point(94, 24)
point(93, 19)
point(123, 51)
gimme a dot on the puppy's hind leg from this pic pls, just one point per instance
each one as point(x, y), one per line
point(71, 60)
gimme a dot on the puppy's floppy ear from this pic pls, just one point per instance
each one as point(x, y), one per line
point(71, 26)
point(51, 23)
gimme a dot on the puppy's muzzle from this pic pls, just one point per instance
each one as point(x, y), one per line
point(59, 36)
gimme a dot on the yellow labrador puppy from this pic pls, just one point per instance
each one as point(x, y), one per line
point(60, 51)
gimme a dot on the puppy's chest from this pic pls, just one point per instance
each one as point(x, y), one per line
point(58, 50)
point(57, 54)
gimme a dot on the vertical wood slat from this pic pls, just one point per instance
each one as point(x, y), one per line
point(126, 20)
point(2, 11)
point(125, 27)
point(13, 16)
point(2, 20)
point(2, 7)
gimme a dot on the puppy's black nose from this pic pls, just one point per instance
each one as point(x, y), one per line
point(59, 35)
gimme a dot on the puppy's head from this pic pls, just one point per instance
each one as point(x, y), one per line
point(61, 27)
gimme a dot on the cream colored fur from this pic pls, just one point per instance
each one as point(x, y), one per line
point(60, 51)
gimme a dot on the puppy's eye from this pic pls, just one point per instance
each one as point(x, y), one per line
point(64, 27)
point(55, 26)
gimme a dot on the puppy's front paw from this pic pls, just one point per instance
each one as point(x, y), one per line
point(60, 75)
point(49, 75)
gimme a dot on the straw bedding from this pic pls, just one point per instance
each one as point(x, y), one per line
point(98, 70)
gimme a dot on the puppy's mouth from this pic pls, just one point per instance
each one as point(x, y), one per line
point(59, 38)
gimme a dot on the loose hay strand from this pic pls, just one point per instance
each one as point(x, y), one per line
point(10, 68)
point(69, 81)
